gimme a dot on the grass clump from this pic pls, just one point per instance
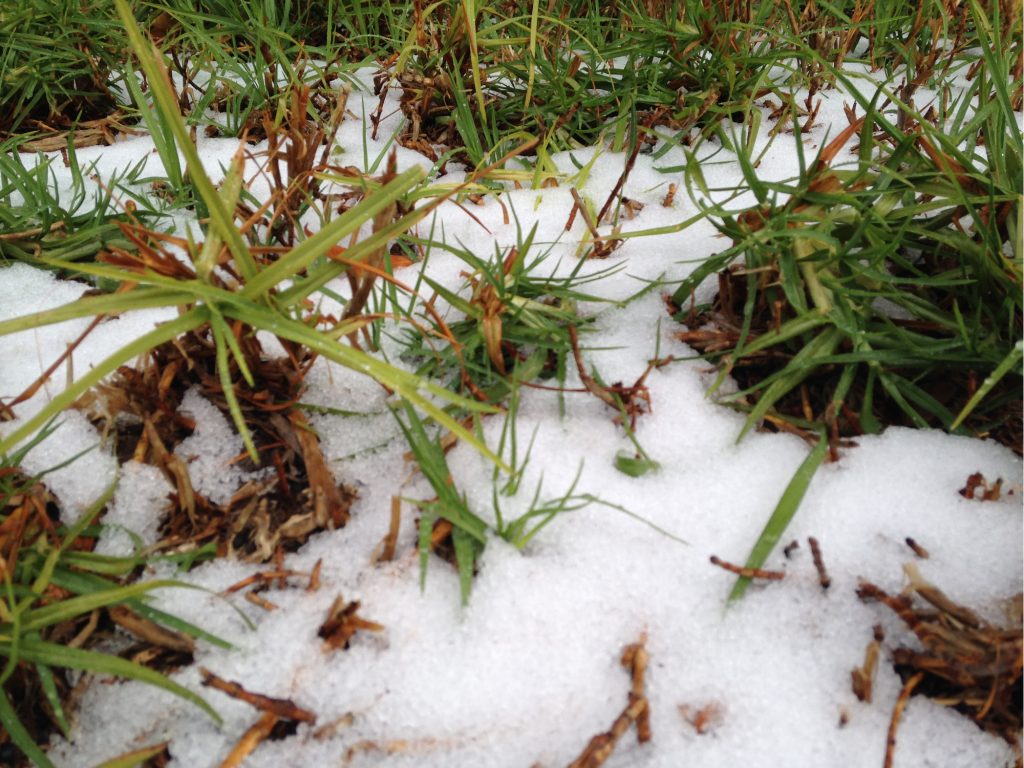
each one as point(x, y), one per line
point(59, 598)
point(58, 61)
point(225, 292)
point(36, 224)
point(883, 290)
point(886, 293)
point(512, 327)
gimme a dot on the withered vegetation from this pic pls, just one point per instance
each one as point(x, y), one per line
point(44, 698)
point(704, 718)
point(25, 517)
point(963, 661)
point(279, 719)
point(295, 497)
point(980, 489)
point(343, 622)
point(637, 712)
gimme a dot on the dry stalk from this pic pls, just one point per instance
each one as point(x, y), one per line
point(964, 662)
point(747, 573)
point(282, 709)
point(599, 749)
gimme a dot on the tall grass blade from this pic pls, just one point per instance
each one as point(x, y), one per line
point(782, 515)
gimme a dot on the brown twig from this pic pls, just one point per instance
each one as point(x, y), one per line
point(938, 598)
point(634, 658)
point(601, 393)
point(343, 622)
point(601, 746)
point(264, 577)
point(626, 170)
point(747, 573)
point(630, 400)
point(917, 548)
point(967, 663)
point(862, 678)
point(581, 206)
point(283, 709)
point(390, 542)
point(260, 601)
point(251, 739)
point(149, 631)
point(65, 355)
point(314, 577)
point(897, 713)
point(819, 565)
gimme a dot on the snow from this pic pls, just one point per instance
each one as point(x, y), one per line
point(209, 452)
point(529, 670)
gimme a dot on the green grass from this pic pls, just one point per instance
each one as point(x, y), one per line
point(867, 290)
point(820, 251)
point(51, 583)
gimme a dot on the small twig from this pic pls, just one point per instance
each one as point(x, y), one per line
point(747, 573)
point(343, 622)
point(261, 578)
point(31, 232)
point(581, 206)
point(44, 377)
point(627, 169)
point(939, 599)
point(284, 709)
point(626, 400)
point(600, 747)
point(250, 740)
point(917, 548)
point(823, 578)
point(260, 601)
point(314, 577)
point(897, 713)
point(149, 631)
point(86, 632)
point(634, 658)
point(862, 677)
point(390, 542)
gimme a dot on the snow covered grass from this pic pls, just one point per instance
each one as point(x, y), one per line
point(493, 300)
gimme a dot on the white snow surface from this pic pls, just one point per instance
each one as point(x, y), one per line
point(529, 670)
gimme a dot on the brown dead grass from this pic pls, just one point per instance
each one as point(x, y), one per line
point(277, 512)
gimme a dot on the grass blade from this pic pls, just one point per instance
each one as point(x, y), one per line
point(54, 655)
point(783, 513)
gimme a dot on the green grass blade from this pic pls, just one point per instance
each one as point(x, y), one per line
point(54, 655)
point(467, 549)
point(20, 737)
point(221, 333)
point(92, 306)
point(164, 332)
point(38, 618)
point(1008, 363)
point(782, 515)
point(167, 107)
point(53, 698)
